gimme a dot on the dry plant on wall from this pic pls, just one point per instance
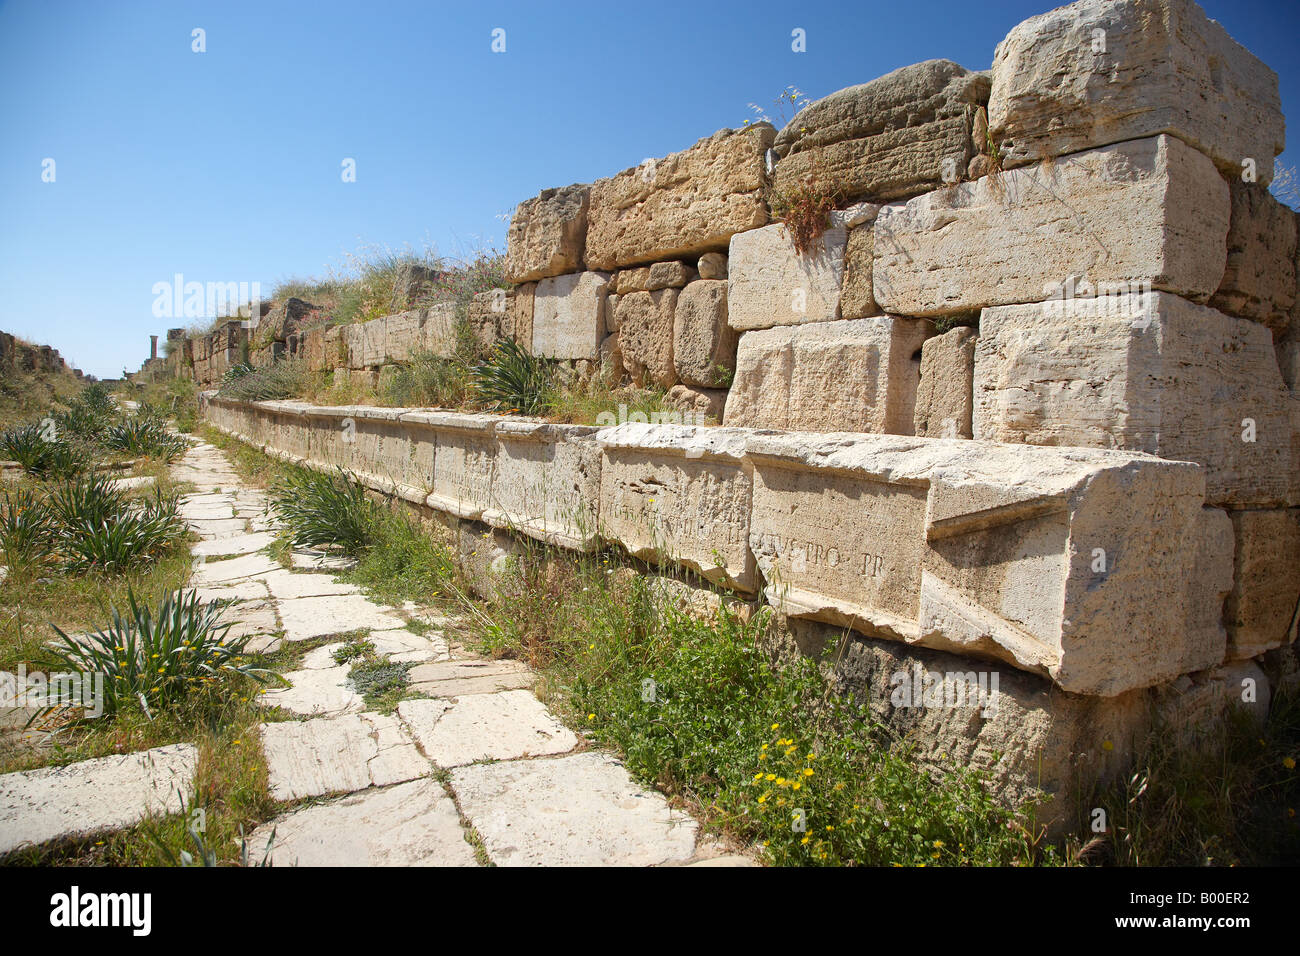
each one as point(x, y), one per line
point(805, 210)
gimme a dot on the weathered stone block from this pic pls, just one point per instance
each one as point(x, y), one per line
point(488, 316)
point(438, 336)
point(704, 345)
point(1163, 67)
point(645, 336)
point(403, 335)
point(569, 315)
point(769, 283)
point(1260, 279)
point(669, 275)
point(546, 482)
point(857, 299)
point(712, 265)
point(518, 321)
point(945, 395)
point(463, 460)
point(1073, 563)
point(900, 134)
point(685, 204)
point(1152, 210)
point(679, 494)
point(699, 406)
point(548, 234)
point(856, 375)
point(1260, 611)
point(1152, 373)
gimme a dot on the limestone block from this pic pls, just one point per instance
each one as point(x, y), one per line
point(548, 234)
point(900, 134)
point(699, 406)
point(569, 315)
point(546, 482)
point(856, 375)
point(1165, 68)
point(669, 275)
point(518, 321)
point(506, 726)
point(704, 345)
point(945, 394)
point(679, 494)
point(311, 758)
point(857, 300)
point(439, 334)
point(1261, 609)
point(645, 336)
point(488, 317)
point(1078, 564)
point(403, 334)
point(1147, 211)
point(1260, 279)
point(712, 265)
point(1152, 373)
point(769, 283)
point(611, 357)
point(632, 280)
point(462, 462)
point(685, 204)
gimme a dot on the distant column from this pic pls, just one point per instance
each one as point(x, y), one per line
point(153, 347)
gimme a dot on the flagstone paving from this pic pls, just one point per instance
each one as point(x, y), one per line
point(373, 783)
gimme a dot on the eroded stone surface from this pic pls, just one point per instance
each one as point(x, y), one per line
point(1148, 211)
point(992, 550)
point(769, 283)
point(546, 482)
point(704, 344)
point(580, 810)
point(548, 234)
point(338, 755)
point(857, 375)
point(1261, 609)
point(1154, 373)
point(101, 794)
point(569, 316)
point(1164, 68)
point(944, 396)
point(503, 726)
point(1260, 279)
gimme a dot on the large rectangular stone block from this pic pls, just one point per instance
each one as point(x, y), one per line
point(1261, 610)
point(1152, 373)
point(679, 494)
point(769, 283)
point(645, 336)
point(854, 375)
point(1152, 210)
point(548, 234)
point(1260, 279)
point(945, 395)
point(403, 334)
point(685, 204)
point(1083, 565)
point(569, 316)
point(438, 336)
point(463, 458)
point(546, 482)
point(900, 134)
point(1103, 71)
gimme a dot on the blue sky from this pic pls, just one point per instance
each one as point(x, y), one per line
point(225, 166)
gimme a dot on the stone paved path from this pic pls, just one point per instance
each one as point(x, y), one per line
point(473, 747)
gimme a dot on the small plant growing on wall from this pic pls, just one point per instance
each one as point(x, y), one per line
point(805, 210)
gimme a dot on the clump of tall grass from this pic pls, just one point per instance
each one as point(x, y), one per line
point(156, 658)
point(98, 529)
point(40, 452)
point(512, 380)
point(428, 380)
point(146, 435)
point(27, 534)
point(285, 379)
point(319, 508)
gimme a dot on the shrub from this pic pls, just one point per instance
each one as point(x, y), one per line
point(86, 500)
point(99, 530)
point(27, 535)
point(805, 210)
point(319, 508)
point(158, 659)
point(429, 380)
point(285, 379)
point(97, 399)
point(40, 458)
point(146, 435)
point(514, 381)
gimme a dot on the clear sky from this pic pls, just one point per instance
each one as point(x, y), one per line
point(225, 166)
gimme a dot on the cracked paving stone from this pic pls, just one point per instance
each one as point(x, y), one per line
point(305, 618)
point(232, 569)
point(314, 693)
point(505, 726)
point(311, 758)
point(458, 678)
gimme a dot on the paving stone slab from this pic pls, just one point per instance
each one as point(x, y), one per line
point(233, 545)
point(290, 584)
point(406, 647)
point(130, 484)
point(219, 527)
point(504, 726)
point(457, 678)
point(316, 692)
point(410, 824)
point(233, 569)
point(101, 794)
point(579, 810)
point(338, 755)
point(249, 618)
point(250, 589)
point(310, 561)
point(305, 618)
